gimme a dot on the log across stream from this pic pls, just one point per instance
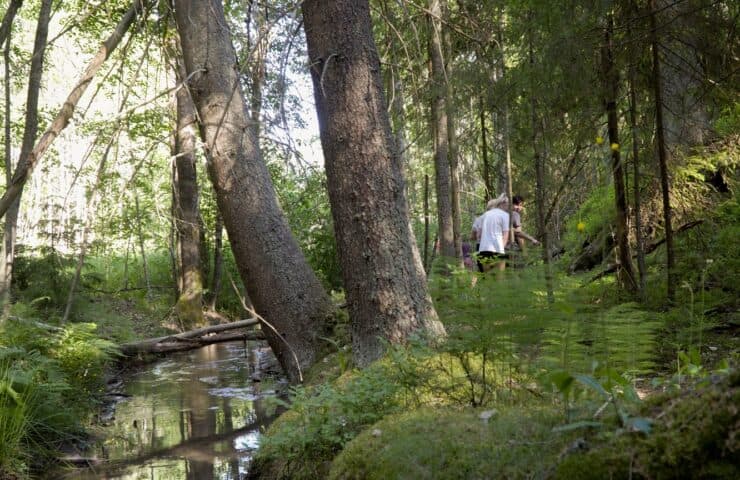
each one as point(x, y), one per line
point(196, 414)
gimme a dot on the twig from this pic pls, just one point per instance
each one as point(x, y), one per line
point(323, 72)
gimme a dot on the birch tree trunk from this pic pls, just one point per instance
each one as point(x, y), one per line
point(279, 281)
point(6, 253)
point(29, 137)
point(383, 276)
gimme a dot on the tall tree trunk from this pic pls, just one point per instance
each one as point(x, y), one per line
point(610, 77)
point(7, 120)
point(487, 178)
point(440, 135)
point(637, 207)
point(29, 137)
point(539, 169)
point(509, 186)
point(662, 154)
point(284, 289)
point(23, 169)
point(6, 254)
point(505, 131)
point(427, 265)
point(218, 264)
point(453, 153)
point(686, 118)
point(382, 271)
point(189, 306)
point(7, 24)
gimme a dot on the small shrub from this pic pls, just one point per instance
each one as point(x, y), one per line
point(323, 419)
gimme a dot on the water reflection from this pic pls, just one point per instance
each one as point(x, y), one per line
point(195, 415)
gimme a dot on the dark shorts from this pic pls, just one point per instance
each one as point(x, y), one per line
point(485, 257)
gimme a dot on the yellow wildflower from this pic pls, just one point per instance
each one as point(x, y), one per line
point(581, 226)
point(599, 139)
point(615, 147)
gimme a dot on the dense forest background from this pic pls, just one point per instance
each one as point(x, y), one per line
point(319, 164)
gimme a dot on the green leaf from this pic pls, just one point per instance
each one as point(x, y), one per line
point(591, 382)
point(562, 380)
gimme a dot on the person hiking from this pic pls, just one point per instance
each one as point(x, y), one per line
point(520, 236)
point(494, 235)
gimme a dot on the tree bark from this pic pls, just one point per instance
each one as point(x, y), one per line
point(60, 122)
point(427, 265)
point(6, 256)
point(610, 78)
point(218, 264)
point(487, 180)
point(29, 137)
point(383, 276)
point(439, 128)
point(662, 154)
point(453, 154)
point(637, 202)
point(539, 169)
point(7, 24)
point(185, 198)
point(279, 281)
point(686, 117)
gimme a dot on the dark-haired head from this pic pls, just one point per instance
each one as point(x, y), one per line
point(517, 200)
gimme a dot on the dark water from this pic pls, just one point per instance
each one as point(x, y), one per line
point(194, 415)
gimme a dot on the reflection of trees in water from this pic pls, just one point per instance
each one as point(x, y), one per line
point(177, 427)
point(202, 417)
point(211, 446)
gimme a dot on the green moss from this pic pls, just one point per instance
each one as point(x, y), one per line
point(444, 444)
point(696, 434)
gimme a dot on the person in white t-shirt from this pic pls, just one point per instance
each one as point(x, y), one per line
point(494, 235)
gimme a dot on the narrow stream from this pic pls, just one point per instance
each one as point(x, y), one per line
point(194, 415)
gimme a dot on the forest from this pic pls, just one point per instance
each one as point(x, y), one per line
point(370, 239)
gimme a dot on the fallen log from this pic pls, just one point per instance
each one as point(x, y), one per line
point(181, 345)
point(192, 339)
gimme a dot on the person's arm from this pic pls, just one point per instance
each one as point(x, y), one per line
point(519, 233)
